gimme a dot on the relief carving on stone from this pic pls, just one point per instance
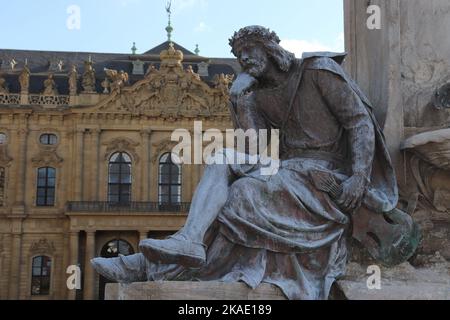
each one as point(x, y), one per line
point(162, 147)
point(431, 160)
point(3, 85)
point(43, 247)
point(5, 159)
point(115, 80)
point(170, 91)
point(122, 145)
point(47, 157)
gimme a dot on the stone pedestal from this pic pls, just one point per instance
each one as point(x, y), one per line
point(403, 282)
point(191, 291)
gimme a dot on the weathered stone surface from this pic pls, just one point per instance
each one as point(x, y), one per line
point(403, 282)
point(191, 291)
point(432, 146)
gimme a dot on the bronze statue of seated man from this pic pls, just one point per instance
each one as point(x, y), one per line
point(289, 229)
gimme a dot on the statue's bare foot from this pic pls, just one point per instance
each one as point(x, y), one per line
point(124, 269)
point(177, 249)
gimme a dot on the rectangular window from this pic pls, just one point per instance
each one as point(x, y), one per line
point(40, 277)
point(46, 182)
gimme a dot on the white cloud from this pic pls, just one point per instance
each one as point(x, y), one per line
point(202, 27)
point(298, 46)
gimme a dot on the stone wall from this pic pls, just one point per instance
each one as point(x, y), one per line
point(401, 67)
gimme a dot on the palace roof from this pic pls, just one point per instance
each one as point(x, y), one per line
point(42, 63)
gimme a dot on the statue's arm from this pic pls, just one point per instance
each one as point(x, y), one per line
point(353, 115)
point(243, 106)
point(351, 112)
point(244, 110)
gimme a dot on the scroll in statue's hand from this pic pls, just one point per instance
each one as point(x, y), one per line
point(353, 191)
point(243, 83)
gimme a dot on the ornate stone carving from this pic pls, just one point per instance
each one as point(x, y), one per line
point(9, 99)
point(222, 82)
point(43, 247)
point(50, 86)
point(161, 148)
point(170, 91)
point(24, 80)
point(431, 157)
point(88, 81)
point(115, 80)
point(73, 81)
point(47, 157)
point(5, 159)
point(122, 145)
point(3, 85)
point(46, 100)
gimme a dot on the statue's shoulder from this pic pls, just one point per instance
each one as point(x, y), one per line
point(324, 61)
point(331, 61)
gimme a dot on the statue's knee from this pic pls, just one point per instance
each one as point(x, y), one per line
point(217, 170)
point(240, 186)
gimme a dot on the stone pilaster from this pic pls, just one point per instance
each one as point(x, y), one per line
point(16, 252)
point(20, 174)
point(89, 272)
point(143, 234)
point(95, 140)
point(79, 152)
point(74, 238)
point(145, 168)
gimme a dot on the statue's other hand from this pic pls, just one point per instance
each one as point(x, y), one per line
point(353, 191)
point(243, 83)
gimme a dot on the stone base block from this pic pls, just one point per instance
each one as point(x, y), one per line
point(191, 291)
point(403, 282)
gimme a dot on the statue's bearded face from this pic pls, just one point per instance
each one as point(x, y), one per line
point(254, 60)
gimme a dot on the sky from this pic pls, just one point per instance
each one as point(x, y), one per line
point(113, 25)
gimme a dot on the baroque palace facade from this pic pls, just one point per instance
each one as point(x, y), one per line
point(85, 166)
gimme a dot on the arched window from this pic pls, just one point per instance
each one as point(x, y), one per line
point(40, 277)
point(46, 187)
point(112, 249)
point(119, 180)
point(169, 181)
point(115, 247)
point(3, 138)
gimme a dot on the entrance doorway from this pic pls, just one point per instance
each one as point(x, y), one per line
point(112, 249)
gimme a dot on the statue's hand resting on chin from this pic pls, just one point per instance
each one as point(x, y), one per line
point(353, 191)
point(243, 83)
